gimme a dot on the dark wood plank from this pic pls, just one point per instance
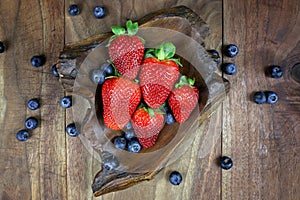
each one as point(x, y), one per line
point(35, 169)
point(263, 140)
point(195, 165)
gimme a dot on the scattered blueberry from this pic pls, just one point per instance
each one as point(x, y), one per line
point(226, 162)
point(2, 47)
point(22, 135)
point(108, 69)
point(37, 61)
point(66, 102)
point(214, 54)
point(99, 12)
point(231, 50)
point(259, 97)
point(229, 68)
point(272, 97)
point(276, 71)
point(72, 130)
point(120, 142)
point(129, 134)
point(98, 76)
point(31, 123)
point(54, 71)
point(170, 118)
point(73, 10)
point(33, 104)
point(109, 161)
point(175, 178)
point(129, 126)
point(134, 146)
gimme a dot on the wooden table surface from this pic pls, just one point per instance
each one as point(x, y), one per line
point(263, 140)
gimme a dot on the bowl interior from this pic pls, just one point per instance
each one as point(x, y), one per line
point(169, 131)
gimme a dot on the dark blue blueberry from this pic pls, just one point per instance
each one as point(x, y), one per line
point(129, 134)
point(22, 135)
point(259, 97)
point(134, 146)
point(54, 71)
point(99, 12)
point(226, 162)
point(33, 104)
point(98, 76)
point(72, 130)
point(31, 123)
point(231, 50)
point(175, 178)
point(272, 97)
point(229, 68)
point(2, 47)
point(214, 54)
point(38, 61)
point(108, 69)
point(276, 71)
point(120, 142)
point(170, 118)
point(66, 102)
point(74, 10)
point(129, 126)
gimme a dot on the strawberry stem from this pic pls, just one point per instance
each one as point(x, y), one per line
point(185, 81)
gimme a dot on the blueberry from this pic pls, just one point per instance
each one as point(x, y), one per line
point(175, 178)
point(229, 68)
point(22, 135)
point(2, 47)
point(134, 146)
point(73, 10)
point(66, 102)
point(108, 69)
point(231, 50)
point(170, 118)
point(72, 130)
point(120, 142)
point(37, 61)
point(109, 161)
point(99, 12)
point(272, 97)
point(98, 76)
point(226, 162)
point(129, 126)
point(214, 54)
point(129, 134)
point(31, 123)
point(54, 71)
point(276, 71)
point(259, 97)
point(33, 104)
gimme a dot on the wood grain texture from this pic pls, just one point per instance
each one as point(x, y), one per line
point(35, 169)
point(263, 140)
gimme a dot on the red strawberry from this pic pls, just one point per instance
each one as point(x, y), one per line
point(126, 50)
point(183, 99)
point(159, 74)
point(147, 124)
point(120, 98)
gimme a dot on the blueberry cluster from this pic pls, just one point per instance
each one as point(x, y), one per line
point(262, 97)
point(99, 11)
point(128, 140)
point(98, 75)
point(31, 123)
point(230, 51)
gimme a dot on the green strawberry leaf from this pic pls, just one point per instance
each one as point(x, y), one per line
point(160, 53)
point(132, 28)
point(149, 53)
point(151, 112)
point(118, 30)
point(177, 61)
point(185, 81)
point(169, 50)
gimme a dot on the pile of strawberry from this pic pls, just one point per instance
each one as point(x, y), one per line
point(146, 81)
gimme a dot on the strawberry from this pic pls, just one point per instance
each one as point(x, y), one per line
point(158, 74)
point(183, 99)
point(147, 123)
point(120, 98)
point(126, 50)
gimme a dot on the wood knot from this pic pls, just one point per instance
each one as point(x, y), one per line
point(296, 72)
